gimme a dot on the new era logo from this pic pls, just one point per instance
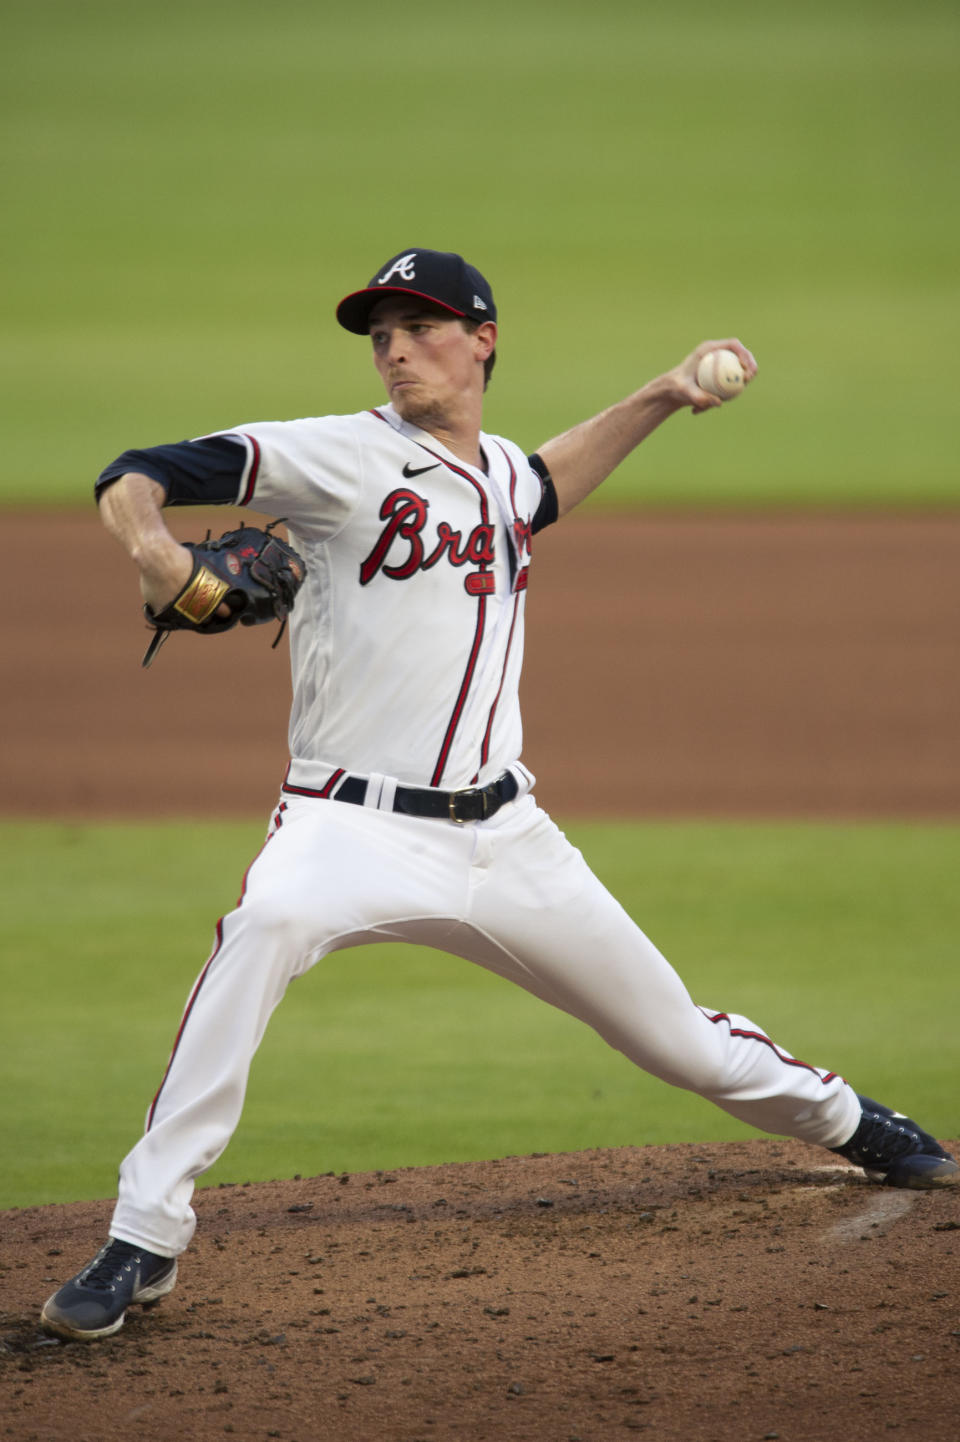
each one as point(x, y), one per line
point(479, 304)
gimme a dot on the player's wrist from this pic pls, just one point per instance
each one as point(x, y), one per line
point(658, 399)
point(165, 568)
point(671, 391)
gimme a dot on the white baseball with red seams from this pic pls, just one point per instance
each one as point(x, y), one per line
point(406, 645)
point(721, 374)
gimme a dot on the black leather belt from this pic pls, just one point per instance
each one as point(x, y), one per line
point(474, 803)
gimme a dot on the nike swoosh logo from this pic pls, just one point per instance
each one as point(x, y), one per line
point(411, 471)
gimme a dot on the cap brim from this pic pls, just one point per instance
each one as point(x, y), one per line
point(353, 312)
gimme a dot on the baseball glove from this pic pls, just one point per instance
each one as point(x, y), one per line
point(255, 574)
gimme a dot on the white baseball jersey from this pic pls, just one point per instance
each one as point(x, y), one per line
point(407, 637)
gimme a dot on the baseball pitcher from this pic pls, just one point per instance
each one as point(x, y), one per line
point(406, 812)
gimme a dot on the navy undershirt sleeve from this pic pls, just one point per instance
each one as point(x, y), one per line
point(548, 510)
point(207, 472)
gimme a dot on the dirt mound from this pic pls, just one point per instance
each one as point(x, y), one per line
point(716, 1293)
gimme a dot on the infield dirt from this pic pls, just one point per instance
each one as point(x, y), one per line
point(716, 1293)
point(719, 1293)
point(725, 666)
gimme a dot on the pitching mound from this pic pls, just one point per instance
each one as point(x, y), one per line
point(710, 1294)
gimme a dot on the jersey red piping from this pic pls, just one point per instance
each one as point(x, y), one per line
point(513, 478)
point(485, 748)
point(478, 633)
point(323, 795)
point(248, 489)
point(520, 586)
point(464, 692)
point(481, 614)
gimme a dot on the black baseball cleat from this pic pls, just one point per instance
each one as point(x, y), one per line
point(92, 1304)
point(894, 1151)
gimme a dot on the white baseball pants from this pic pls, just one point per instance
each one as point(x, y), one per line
point(510, 894)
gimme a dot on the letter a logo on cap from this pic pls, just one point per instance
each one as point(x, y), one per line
point(402, 267)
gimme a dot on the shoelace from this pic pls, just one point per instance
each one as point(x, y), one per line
point(886, 1139)
point(106, 1270)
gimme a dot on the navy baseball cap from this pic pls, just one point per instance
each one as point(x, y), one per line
point(436, 275)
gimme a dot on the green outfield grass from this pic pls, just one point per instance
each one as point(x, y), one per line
point(190, 188)
point(839, 940)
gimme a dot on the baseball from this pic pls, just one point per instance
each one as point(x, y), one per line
point(721, 373)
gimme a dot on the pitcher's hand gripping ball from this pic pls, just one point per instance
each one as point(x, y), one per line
point(254, 574)
point(721, 373)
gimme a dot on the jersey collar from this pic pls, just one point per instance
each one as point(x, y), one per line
point(429, 442)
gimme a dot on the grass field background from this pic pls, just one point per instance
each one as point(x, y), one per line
point(191, 188)
point(188, 191)
point(839, 940)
